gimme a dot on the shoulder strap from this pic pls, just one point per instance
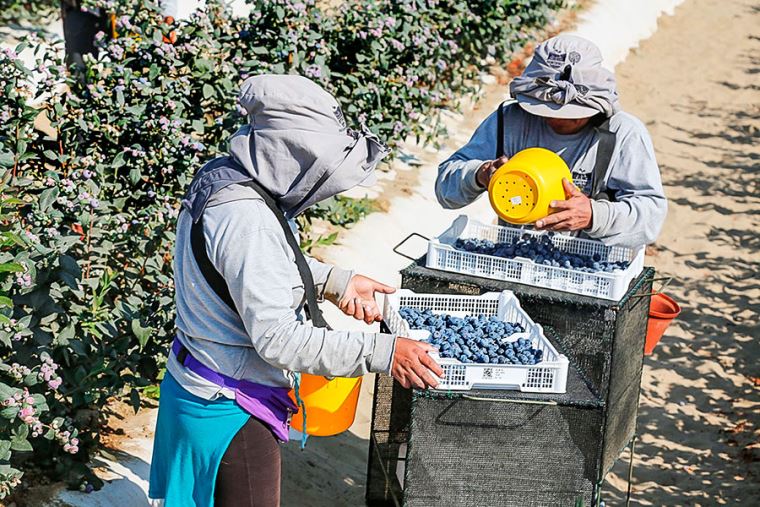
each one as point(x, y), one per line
point(219, 286)
point(209, 272)
point(500, 132)
point(317, 319)
point(603, 158)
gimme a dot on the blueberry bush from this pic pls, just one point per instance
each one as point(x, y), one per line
point(28, 11)
point(94, 160)
point(474, 339)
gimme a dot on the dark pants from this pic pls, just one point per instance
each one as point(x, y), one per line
point(249, 475)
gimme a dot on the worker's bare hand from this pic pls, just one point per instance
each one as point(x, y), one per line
point(413, 366)
point(359, 299)
point(486, 170)
point(573, 214)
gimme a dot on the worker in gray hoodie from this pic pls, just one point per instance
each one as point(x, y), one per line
point(241, 282)
point(566, 102)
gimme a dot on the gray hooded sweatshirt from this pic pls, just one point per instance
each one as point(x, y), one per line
point(297, 146)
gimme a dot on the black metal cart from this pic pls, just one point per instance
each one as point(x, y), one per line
point(506, 447)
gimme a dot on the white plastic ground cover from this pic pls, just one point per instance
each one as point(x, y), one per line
point(444, 256)
point(548, 376)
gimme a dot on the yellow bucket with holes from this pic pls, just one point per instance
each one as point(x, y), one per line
point(520, 191)
point(330, 404)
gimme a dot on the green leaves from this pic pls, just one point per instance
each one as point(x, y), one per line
point(6, 159)
point(9, 413)
point(6, 302)
point(11, 267)
point(5, 450)
point(142, 333)
point(19, 441)
point(47, 197)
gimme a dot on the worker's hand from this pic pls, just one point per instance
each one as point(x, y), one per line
point(574, 213)
point(486, 170)
point(359, 299)
point(413, 366)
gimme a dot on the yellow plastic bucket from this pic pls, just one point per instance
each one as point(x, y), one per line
point(330, 404)
point(520, 191)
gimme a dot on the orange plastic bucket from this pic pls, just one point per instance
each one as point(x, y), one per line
point(662, 310)
point(330, 404)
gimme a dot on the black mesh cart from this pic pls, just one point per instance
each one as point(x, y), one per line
point(512, 448)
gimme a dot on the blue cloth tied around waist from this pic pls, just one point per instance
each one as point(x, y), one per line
point(271, 405)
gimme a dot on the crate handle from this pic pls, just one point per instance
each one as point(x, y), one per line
point(499, 400)
point(667, 281)
point(395, 248)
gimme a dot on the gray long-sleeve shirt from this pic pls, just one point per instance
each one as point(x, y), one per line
point(633, 220)
point(247, 246)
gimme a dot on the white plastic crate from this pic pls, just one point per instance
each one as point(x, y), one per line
point(548, 376)
point(444, 256)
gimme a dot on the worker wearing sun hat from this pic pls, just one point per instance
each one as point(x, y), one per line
point(565, 101)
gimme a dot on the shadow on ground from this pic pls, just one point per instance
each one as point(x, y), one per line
point(128, 485)
point(329, 471)
point(698, 443)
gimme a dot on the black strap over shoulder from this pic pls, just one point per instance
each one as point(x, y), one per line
point(216, 280)
point(603, 158)
point(209, 272)
point(500, 132)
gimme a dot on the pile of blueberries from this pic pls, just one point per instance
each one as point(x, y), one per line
point(541, 250)
point(473, 339)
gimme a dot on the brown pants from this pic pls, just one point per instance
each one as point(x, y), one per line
point(249, 475)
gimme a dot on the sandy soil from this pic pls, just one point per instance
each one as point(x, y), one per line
point(695, 84)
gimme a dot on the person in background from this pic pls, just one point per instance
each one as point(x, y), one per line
point(81, 25)
point(79, 29)
point(241, 281)
point(566, 102)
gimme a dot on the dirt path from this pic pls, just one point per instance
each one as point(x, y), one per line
point(696, 85)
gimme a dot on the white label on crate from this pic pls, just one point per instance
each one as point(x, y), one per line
point(516, 200)
point(465, 288)
point(494, 373)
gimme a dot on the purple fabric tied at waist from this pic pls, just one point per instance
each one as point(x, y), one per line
point(270, 405)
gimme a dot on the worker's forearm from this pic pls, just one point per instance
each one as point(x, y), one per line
point(457, 184)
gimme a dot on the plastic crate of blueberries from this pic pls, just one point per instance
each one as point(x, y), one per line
point(542, 259)
point(484, 342)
